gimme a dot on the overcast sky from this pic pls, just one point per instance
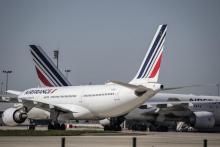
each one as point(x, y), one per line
point(102, 40)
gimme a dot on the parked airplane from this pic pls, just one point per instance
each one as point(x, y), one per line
point(48, 74)
point(160, 112)
point(90, 101)
point(164, 109)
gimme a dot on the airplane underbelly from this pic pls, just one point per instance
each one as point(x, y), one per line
point(37, 113)
point(217, 119)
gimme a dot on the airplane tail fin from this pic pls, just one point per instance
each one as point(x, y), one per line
point(48, 74)
point(150, 67)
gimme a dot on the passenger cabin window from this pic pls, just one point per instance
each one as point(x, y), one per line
point(62, 96)
point(98, 94)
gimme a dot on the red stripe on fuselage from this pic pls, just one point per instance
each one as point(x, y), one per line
point(43, 78)
point(156, 68)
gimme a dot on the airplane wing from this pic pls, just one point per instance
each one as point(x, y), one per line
point(163, 108)
point(14, 92)
point(12, 97)
point(176, 108)
point(29, 104)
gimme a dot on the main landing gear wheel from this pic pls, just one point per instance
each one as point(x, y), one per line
point(112, 128)
point(31, 127)
point(56, 126)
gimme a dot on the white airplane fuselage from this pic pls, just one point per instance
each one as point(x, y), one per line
point(89, 102)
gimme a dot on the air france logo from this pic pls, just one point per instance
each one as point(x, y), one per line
point(44, 91)
point(200, 99)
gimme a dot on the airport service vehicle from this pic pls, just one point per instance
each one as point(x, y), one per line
point(90, 101)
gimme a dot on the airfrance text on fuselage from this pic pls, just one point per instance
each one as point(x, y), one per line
point(44, 91)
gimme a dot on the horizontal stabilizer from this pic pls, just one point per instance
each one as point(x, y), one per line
point(138, 89)
point(181, 87)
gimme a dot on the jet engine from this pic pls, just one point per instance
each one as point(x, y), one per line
point(203, 120)
point(112, 124)
point(14, 116)
point(105, 122)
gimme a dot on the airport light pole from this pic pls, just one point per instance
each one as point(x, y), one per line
point(7, 72)
point(2, 87)
point(56, 56)
point(67, 71)
point(218, 86)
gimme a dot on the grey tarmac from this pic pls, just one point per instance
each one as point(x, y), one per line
point(151, 139)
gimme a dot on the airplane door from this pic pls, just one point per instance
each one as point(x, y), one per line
point(81, 96)
point(116, 95)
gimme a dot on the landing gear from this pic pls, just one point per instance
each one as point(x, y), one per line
point(50, 126)
point(31, 127)
point(112, 128)
point(139, 127)
point(56, 126)
point(62, 127)
point(158, 128)
point(115, 124)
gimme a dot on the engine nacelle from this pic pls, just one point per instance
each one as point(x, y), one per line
point(13, 116)
point(113, 121)
point(105, 122)
point(203, 120)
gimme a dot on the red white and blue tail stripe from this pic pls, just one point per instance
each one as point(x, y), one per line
point(48, 74)
point(149, 69)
